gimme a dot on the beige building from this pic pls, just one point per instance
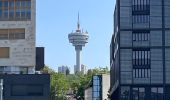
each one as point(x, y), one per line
point(17, 36)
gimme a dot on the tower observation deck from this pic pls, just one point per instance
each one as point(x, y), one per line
point(78, 40)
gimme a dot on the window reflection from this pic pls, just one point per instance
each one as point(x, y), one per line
point(15, 10)
point(138, 93)
point(157, 93)
point(125, 93)
point(96, 88)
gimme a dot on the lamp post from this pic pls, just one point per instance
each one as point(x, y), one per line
point(1, 89)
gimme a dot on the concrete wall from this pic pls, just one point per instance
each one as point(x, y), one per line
point(22, 52)
point(88, 93)
point(105, 86)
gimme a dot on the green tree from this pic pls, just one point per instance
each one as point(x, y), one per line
point(58, 83)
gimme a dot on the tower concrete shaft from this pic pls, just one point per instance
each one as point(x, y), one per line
point(78, 58)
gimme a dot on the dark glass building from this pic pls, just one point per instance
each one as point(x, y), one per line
point(140, 50)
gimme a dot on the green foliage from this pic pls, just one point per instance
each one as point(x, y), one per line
point(61, 83)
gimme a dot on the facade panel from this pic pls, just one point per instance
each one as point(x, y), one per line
point(155, 11)
point(167, 2)
point(156, 38)
point(167, 77)
point(126, 65)
point(125, 2)
point(140, 25)
point(167, 20)
point(126, 77)
point(125, 22)
point(167, 38)
point(125, 54)
point(126, 39)
point(155, 2)
point(167, 65)
point(167, 10)
point(156, 66)
point(141, 81)
point(155, 22)
point(156, 54)
point(125, 11)
point(167, 52)
point(156, 77)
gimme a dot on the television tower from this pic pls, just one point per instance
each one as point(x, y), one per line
point(78, 40)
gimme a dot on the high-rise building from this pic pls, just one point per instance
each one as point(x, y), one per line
point(140, 50)
point(18, 58)
point(63, 69)
point(17, 36)
point(78, 39)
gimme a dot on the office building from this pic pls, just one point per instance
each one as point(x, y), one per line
point(63, 69)
point(18, 59)
point(140, 50)
point(98, 87)
point(17, 36)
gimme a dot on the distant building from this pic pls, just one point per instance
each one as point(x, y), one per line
point(63, 69)
point(83, 69)
point(98, 87)
point(140, 50)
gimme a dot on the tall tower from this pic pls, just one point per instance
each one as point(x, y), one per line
point(78, 39)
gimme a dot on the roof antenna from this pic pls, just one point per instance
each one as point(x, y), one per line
point(78, 24)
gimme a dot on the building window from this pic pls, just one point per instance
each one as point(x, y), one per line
point(138, 93)
point(15, 10)
point(141, 11)
point(27, 90)
point(12, 34)
point(2, 69)
point(4, 52)
point(141, 7)
point(156, 93)
point(96, 87)
point(125, 93)
point(141, 73)
point(141, 36)
point(140, 19)
point(141, 58)
point(23, 70)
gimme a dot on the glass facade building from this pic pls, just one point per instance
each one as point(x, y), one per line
point(97, 87)
point(140, 50)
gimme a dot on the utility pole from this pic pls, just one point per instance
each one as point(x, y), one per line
point(1, 89)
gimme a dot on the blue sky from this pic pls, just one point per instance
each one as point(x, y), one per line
point(57, 18)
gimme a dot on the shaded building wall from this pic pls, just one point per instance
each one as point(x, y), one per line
point(26, 87)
